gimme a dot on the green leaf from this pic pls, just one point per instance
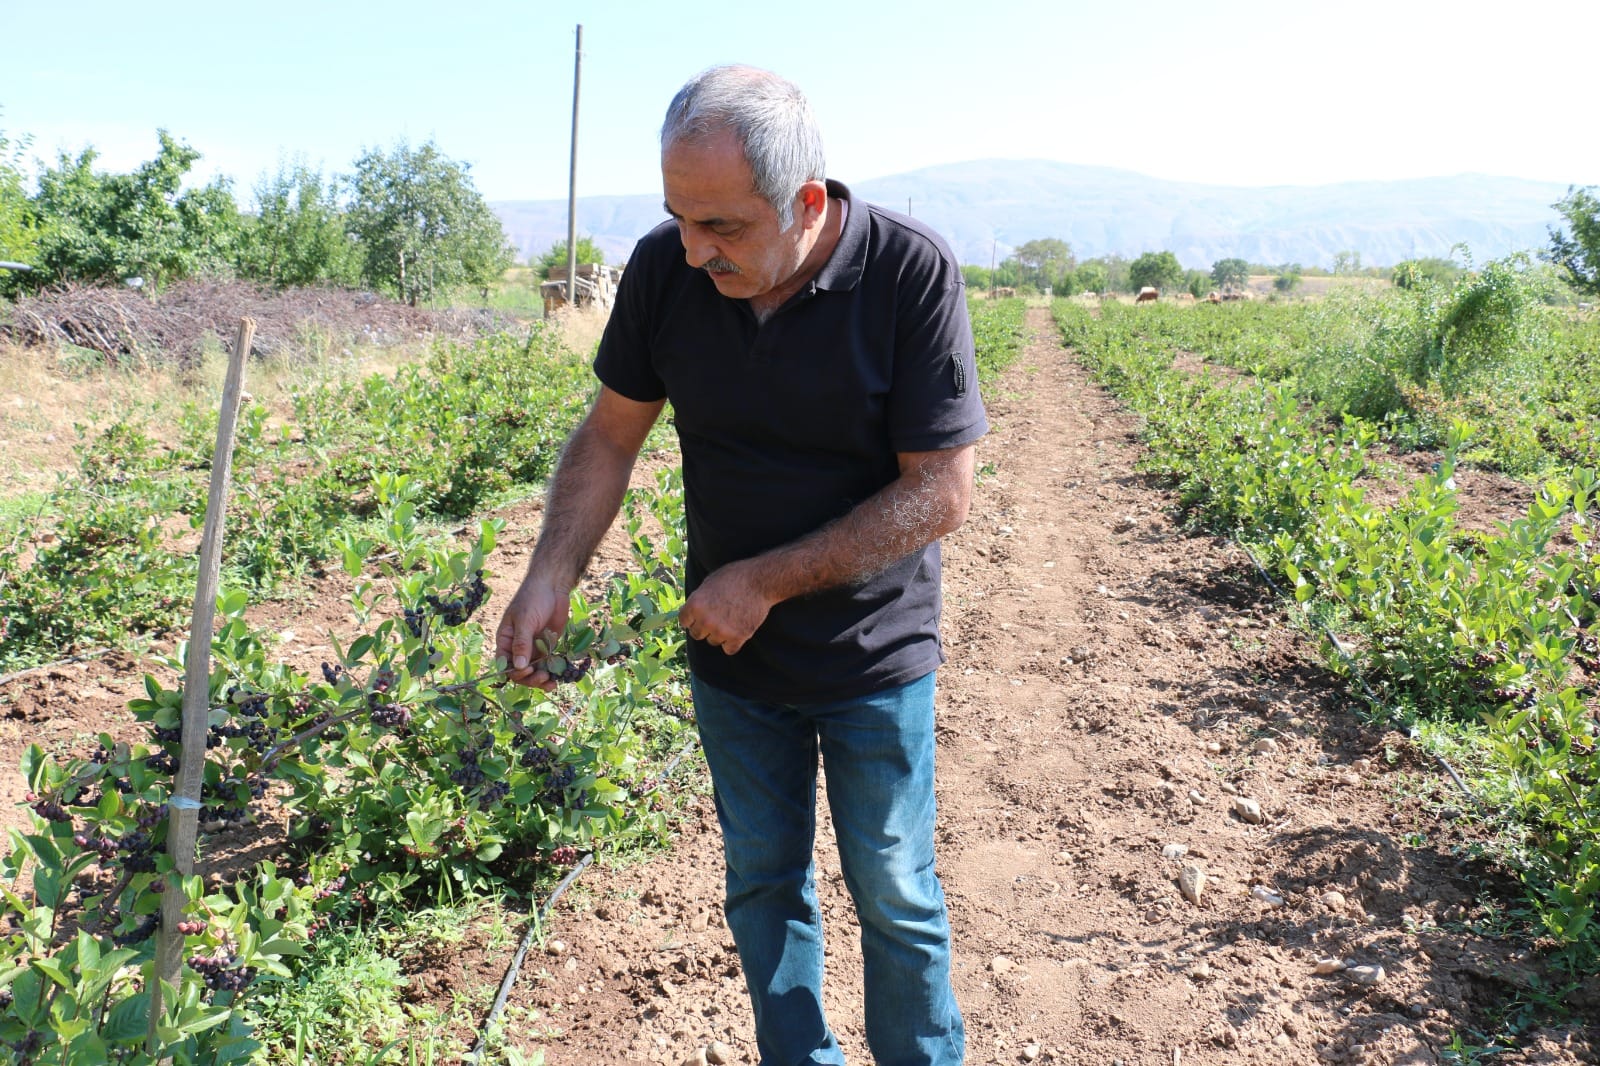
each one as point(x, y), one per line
point(52, 968)
point(128, 1020)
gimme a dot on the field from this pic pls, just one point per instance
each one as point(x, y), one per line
point(1157, 660)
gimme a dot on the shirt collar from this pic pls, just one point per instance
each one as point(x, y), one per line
point(844, 267)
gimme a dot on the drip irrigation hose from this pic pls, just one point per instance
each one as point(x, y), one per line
point(1355, 671)
point(510, 978)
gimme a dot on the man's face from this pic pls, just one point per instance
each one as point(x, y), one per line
point(727, 228)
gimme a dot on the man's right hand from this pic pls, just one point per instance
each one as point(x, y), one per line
point(539, 609)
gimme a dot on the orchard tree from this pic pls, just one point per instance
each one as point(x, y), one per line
point(106, 227)
point(1230, 273)
point(423, 227)
point(1160, 270)
point(299, 235)
point(1577, 254)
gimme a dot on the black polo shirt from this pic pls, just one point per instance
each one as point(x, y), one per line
point(788, 424)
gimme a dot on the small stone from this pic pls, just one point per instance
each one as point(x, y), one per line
point(1348, 780)
point(1248, 810)
point(1267, 896)
point(1329, 965)
point(1000, 965)
point(1196, 798)
point(699, 922)
point(1213, 747)
point(1174, 851)
point(1282, 1040)
point(699, 1058)
point(556, 947)
point(718, 1053)
point(1333, 900)
point(1124, 524)
point(1201, 971)
point(1369, 974)
point(1361, 766)
point(1230, 788)
point(1266, 746)
point(1030, 1052)
point(1192, 882)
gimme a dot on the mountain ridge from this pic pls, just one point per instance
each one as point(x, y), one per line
point(985, 208)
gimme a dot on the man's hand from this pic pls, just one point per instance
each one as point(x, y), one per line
point(727, 608)
point(539, 609)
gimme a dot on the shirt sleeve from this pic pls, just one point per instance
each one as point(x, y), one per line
point(934, 401)
point(622, 362)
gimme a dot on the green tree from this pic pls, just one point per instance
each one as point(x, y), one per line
point(1347, 262)
point(1044, 262)
point(1196, 283)
point(1160, 270)
point(299, 235)
point(1092, 276)
point(105, 227)
point(556, 257)
point(1577, 254)
point(423, 228)
point(19, 234)
point(1413, 273)
point(1230, 273)
point(1288, 278)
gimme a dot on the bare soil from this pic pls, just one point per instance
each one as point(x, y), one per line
point(1115, 686)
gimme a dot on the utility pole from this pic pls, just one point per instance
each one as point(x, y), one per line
point(572, 179)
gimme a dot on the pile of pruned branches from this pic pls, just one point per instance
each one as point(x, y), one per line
point(182, 322)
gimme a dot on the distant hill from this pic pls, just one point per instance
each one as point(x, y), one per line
point(988, 207)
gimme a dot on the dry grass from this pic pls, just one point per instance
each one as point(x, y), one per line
point(580, 327)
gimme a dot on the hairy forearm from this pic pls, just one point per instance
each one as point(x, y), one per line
point(928, 500)
point(581, 501)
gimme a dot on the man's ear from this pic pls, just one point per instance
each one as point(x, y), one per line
point(813, 202)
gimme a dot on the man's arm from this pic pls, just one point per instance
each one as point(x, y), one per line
point(583, 498)
point(929, 499)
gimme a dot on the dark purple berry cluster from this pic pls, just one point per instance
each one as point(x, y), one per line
point(221, 972)
point(453, 611)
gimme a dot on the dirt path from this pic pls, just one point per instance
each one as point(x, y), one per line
point(1114, 687)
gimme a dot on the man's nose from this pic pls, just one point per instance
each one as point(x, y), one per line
point(698, 250)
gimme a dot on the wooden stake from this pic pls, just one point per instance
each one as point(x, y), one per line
point(183, 809)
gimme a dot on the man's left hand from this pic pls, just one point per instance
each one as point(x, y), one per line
point(727, 608)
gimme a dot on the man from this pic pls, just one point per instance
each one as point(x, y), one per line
point(819, 362)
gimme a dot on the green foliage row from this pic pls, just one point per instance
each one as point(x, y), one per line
point(1498, 633)
point(998, 331)
point(409, 770)
point(111, 553)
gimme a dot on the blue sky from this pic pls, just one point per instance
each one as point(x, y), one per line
point(1222, 92)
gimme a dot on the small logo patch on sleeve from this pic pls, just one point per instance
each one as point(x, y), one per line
point(958, 370)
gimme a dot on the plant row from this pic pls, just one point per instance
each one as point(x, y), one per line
point(1496, 633)
point(110, 553)
point(404, 768)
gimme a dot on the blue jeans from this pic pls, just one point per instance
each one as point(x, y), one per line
point(878, 754)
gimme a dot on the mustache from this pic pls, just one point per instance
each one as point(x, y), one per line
point(720, 266)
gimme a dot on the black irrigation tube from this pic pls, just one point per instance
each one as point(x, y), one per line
point(1350, 662)
point(510, 978)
